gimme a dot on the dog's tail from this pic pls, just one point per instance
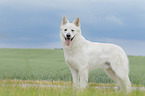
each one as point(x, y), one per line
point(119, 62)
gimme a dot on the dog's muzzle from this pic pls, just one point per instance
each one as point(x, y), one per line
point(68, 39)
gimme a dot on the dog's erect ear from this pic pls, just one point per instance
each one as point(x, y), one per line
point(64, 21)
point(77, 22)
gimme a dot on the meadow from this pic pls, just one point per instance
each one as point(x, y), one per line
point(49, 64)
point(10, 90)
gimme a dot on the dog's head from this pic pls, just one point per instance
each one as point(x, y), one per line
point(69, 31)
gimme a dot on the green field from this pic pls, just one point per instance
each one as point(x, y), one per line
point(48, 66)
point(10, 90)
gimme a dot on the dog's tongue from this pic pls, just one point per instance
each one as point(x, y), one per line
point(68, 41)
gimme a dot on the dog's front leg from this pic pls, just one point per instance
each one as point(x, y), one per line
point(75, 75)
point(83, 77)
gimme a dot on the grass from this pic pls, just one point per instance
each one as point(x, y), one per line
point(14, 88)
point(47, 66)
point(38, 91)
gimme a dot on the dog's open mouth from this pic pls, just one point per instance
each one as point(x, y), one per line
point(68, 40)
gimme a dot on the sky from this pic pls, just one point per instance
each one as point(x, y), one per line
point(36, 23)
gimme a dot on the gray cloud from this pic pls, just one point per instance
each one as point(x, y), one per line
point(131, 47)
point(30, 22)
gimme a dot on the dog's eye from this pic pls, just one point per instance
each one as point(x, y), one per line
point(65, 29)
point(72, 30)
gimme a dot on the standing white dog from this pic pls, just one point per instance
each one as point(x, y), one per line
point(82, 55)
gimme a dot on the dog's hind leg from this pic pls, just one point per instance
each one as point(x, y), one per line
point(83, 72)
point(125, 83)
point(120, 66)
point(121, 79)
point(112, 74)
point(75, 75)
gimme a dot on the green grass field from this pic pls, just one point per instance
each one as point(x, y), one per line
point(15, 88)
point(49, 64)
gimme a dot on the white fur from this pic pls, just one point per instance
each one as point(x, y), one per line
point(82, 56)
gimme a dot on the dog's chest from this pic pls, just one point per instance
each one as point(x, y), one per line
point(75, 59)
point(73, 62)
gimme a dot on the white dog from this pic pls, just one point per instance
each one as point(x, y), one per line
point(82, 55)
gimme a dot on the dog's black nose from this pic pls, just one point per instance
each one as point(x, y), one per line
point(68, 35)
